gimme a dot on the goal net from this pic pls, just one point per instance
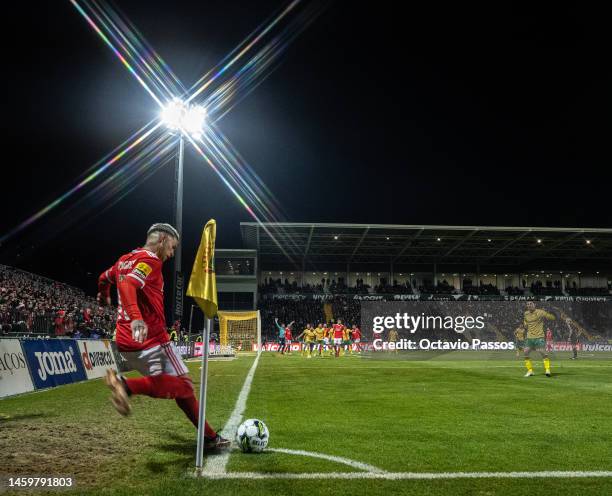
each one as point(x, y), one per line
point(240, 330)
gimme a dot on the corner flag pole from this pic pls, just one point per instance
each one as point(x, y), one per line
point(203, 388)
point(203, 289)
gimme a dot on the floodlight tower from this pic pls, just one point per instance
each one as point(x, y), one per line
point(181, 119)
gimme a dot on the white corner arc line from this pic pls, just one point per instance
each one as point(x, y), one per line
point(331, 458)
point(216, 464)
point(412, 475)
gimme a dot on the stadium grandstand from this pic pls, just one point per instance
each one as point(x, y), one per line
point(34, 305)
point(311, 272)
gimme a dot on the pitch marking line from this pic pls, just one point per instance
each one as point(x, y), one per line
point(331, 458)
point(215, 464)
point(410, 475)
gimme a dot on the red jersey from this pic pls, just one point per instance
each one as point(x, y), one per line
point(338, 331)
point(288, 334)
point(356, 333)
point(142, 269)
point(549, 335)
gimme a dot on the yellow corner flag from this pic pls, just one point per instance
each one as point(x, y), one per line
point(202, 284)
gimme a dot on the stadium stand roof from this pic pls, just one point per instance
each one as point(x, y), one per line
point(311, 245)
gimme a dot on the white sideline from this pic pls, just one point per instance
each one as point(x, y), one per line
point(215, 464)
point(410, 475)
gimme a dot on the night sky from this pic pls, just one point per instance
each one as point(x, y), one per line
point(431, 115)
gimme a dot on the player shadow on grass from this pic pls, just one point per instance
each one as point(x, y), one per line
point(185, 449)
point(182, 447)
point(179, 445)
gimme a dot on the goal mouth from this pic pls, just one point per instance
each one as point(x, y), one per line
point(240, 331)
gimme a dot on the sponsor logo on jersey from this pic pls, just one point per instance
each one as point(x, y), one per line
point(126, 265)
point(142, 270)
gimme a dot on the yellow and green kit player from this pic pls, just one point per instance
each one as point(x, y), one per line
point(309, 337)
point(345, 341)
point(533, 321)
point(320, 337)
point(519, 338)
point(300, 339)
point(330, 338)
point(393, 337)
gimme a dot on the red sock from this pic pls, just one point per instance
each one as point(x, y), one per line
point(191, 408)
point(169, 386)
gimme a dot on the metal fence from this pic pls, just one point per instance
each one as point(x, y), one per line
point(23, 321)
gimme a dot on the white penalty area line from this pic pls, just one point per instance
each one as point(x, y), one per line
point(216, 464)
point(411, 475)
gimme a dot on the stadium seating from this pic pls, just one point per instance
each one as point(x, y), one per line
point(31, 304)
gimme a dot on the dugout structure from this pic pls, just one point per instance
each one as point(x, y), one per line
point(240, 330)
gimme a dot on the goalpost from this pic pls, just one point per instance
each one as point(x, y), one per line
point(240, 330)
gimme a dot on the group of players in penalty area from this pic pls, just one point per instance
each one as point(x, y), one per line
point(337, 339)
point(334, 339)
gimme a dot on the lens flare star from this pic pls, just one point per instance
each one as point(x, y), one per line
point(190, 114)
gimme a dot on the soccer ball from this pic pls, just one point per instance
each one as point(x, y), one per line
point(252, 436)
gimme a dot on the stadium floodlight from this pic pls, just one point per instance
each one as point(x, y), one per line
point(171, 114)
point(182, 117)
point(186, 120)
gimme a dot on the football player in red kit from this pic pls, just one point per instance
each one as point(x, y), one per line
point(338, 330)
point(356, 337)
point(288, 340)
point(141, 333)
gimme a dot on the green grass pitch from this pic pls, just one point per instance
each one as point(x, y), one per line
point(427, 416)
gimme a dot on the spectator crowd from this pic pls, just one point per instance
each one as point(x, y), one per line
point(33, 304)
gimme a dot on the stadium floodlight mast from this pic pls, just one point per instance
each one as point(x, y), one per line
point(189, 120)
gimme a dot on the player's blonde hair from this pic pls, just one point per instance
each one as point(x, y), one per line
point(161, 227)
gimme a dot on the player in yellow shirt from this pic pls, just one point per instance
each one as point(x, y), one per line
point(349, 337)
point(393, 337)
point(519, 339)
point(320, 337)
point(309, 338)
point(325, 337)
point(329, 332)
point(533, 321)
point(346, 340)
